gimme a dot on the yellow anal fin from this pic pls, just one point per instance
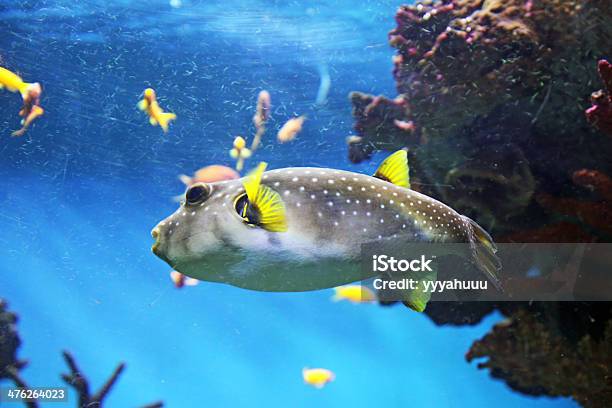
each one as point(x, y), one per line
point(268, 204)
point(417, 299)
point(394, 169)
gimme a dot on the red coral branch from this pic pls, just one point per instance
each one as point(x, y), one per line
point(600, 114)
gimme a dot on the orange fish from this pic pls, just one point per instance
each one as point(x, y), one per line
point(262, 112)
point(27, 121)
point(181, 280)
point(290, 129)
point(156, 114)
point(210, 174)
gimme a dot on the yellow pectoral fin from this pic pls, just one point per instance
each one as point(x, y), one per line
point(271, 210)
point(152, 121)
point(269, 205)
point(395, 169)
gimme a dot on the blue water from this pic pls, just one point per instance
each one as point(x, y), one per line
point(81, 191)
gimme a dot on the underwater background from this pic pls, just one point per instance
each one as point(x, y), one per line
point(81, 191)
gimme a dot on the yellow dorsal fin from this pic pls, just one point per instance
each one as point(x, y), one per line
point(267, 202)
point(395, 169)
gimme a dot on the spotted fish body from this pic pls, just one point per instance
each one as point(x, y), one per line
point(328, 214)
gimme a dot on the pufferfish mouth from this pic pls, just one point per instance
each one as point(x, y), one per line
point(156, 247)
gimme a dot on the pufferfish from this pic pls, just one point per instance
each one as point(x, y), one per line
point(301, 229)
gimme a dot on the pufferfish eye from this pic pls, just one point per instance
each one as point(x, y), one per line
point(197, 193)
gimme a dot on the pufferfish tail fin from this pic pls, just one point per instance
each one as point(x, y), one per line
point(394, 169)
point(266, 207)
point(483, 251)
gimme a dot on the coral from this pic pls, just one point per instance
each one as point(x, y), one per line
point(9, 343)
point(79, 382)
point(489, 104)
point(494, 93)
point(595, 214)
point(461, 59)
point(600, 114)
point(544, 362)
point(10, 366)
point(379, 118)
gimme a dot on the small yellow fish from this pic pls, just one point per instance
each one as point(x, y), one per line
point(240, 152)
point(13, 82)
point(290, 129)
point(354, 293)
point(317, 377)
point(156, 114)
